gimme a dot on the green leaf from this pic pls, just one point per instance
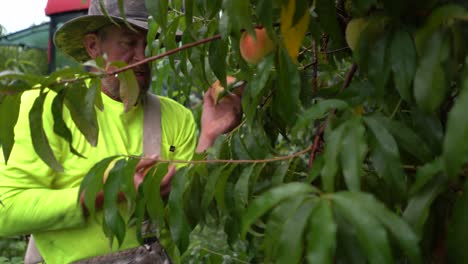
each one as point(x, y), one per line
point(425, 174)
point(276, 221)
point(152, 193)
point(429, 86)
point(291, 244)
point(333, 144)
point(399, 229)
point(329, 21)
point(407, 139)
point(9, 107)
point(255, 89)
point(269, 199)
point(361, 7)
point(179, 227)
point(60, 127)
point(317, 167)
point(457, 233)
point(264, 13)
point(210, 187)
point(128, 184)
point(237, 17)
point(217, 58)
point(286, 98)
point(429, 81)
point(129, 88)
point(379, 66)
point(93, 182)
point(439, 16)
point(243, 188)
point(390, 169)
point(39, 138)
point(369, 231)
point(112, 217)
point(318, 111)
point(321, 236)
point(188, 6)
point(403, 61)
point(158, 9)
point(419, 205)
point(82, 112)
point(455, 145)
point(280, 172)
point(353, 152)
point(94, 93)
point(220, 191)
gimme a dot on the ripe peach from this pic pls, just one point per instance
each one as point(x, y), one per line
point(254, 49)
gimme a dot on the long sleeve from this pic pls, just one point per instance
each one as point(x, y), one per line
point(31, 198)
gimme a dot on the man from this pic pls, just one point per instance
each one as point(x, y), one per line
point(41, 201)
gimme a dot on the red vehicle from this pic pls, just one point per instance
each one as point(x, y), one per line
point(59, 12)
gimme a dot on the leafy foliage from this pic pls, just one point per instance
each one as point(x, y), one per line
point(343, 156)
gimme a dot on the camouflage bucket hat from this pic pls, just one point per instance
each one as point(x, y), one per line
point(69, 37)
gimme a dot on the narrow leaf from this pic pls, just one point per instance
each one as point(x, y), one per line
point(352, 154)
point(291, 244)
point(369, 231)
point(321, 235)
point(9, 107)
point(276, 221)
point(60, 127)
point(406, 237)
point(457, 232)
point(455, 145)
point(129, 88)
point(403, 61)
point(82, 112)
point(293, 34)
point(177, 220)
point(333, 143)
point(39, 139)
point(112, 217)
point(269, 199)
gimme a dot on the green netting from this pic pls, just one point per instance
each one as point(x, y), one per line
point(32, 37)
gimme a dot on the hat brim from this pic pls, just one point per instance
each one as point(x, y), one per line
point(69, 37)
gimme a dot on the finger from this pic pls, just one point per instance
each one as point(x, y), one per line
point(169, 175)
point(239, 88)
point(208, 98)
point(146, 162)
point(165, 190)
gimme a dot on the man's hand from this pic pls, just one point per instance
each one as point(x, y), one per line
point(142, 168)
point(218, 118)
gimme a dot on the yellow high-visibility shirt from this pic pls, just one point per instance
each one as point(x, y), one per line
point(43, 202)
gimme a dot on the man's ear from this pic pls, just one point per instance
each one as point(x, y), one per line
point(91, 44)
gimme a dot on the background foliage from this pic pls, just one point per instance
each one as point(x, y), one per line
point(343, 156)
point(29, 61)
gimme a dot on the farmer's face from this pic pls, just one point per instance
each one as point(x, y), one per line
point(123, 44)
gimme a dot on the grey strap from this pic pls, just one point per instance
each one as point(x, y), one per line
point(32, 255)
point(151, 125)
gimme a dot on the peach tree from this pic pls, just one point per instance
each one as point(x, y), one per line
point(353, 145)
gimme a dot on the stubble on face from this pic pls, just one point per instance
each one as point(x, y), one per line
point(122, 44)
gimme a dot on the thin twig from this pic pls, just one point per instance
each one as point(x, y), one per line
point(314, 147)
point(315, 77)
point(165, 54)
point(221, 255)
point(335, 50)
point(231, 161)
point(349, 77)
point(396, 109)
